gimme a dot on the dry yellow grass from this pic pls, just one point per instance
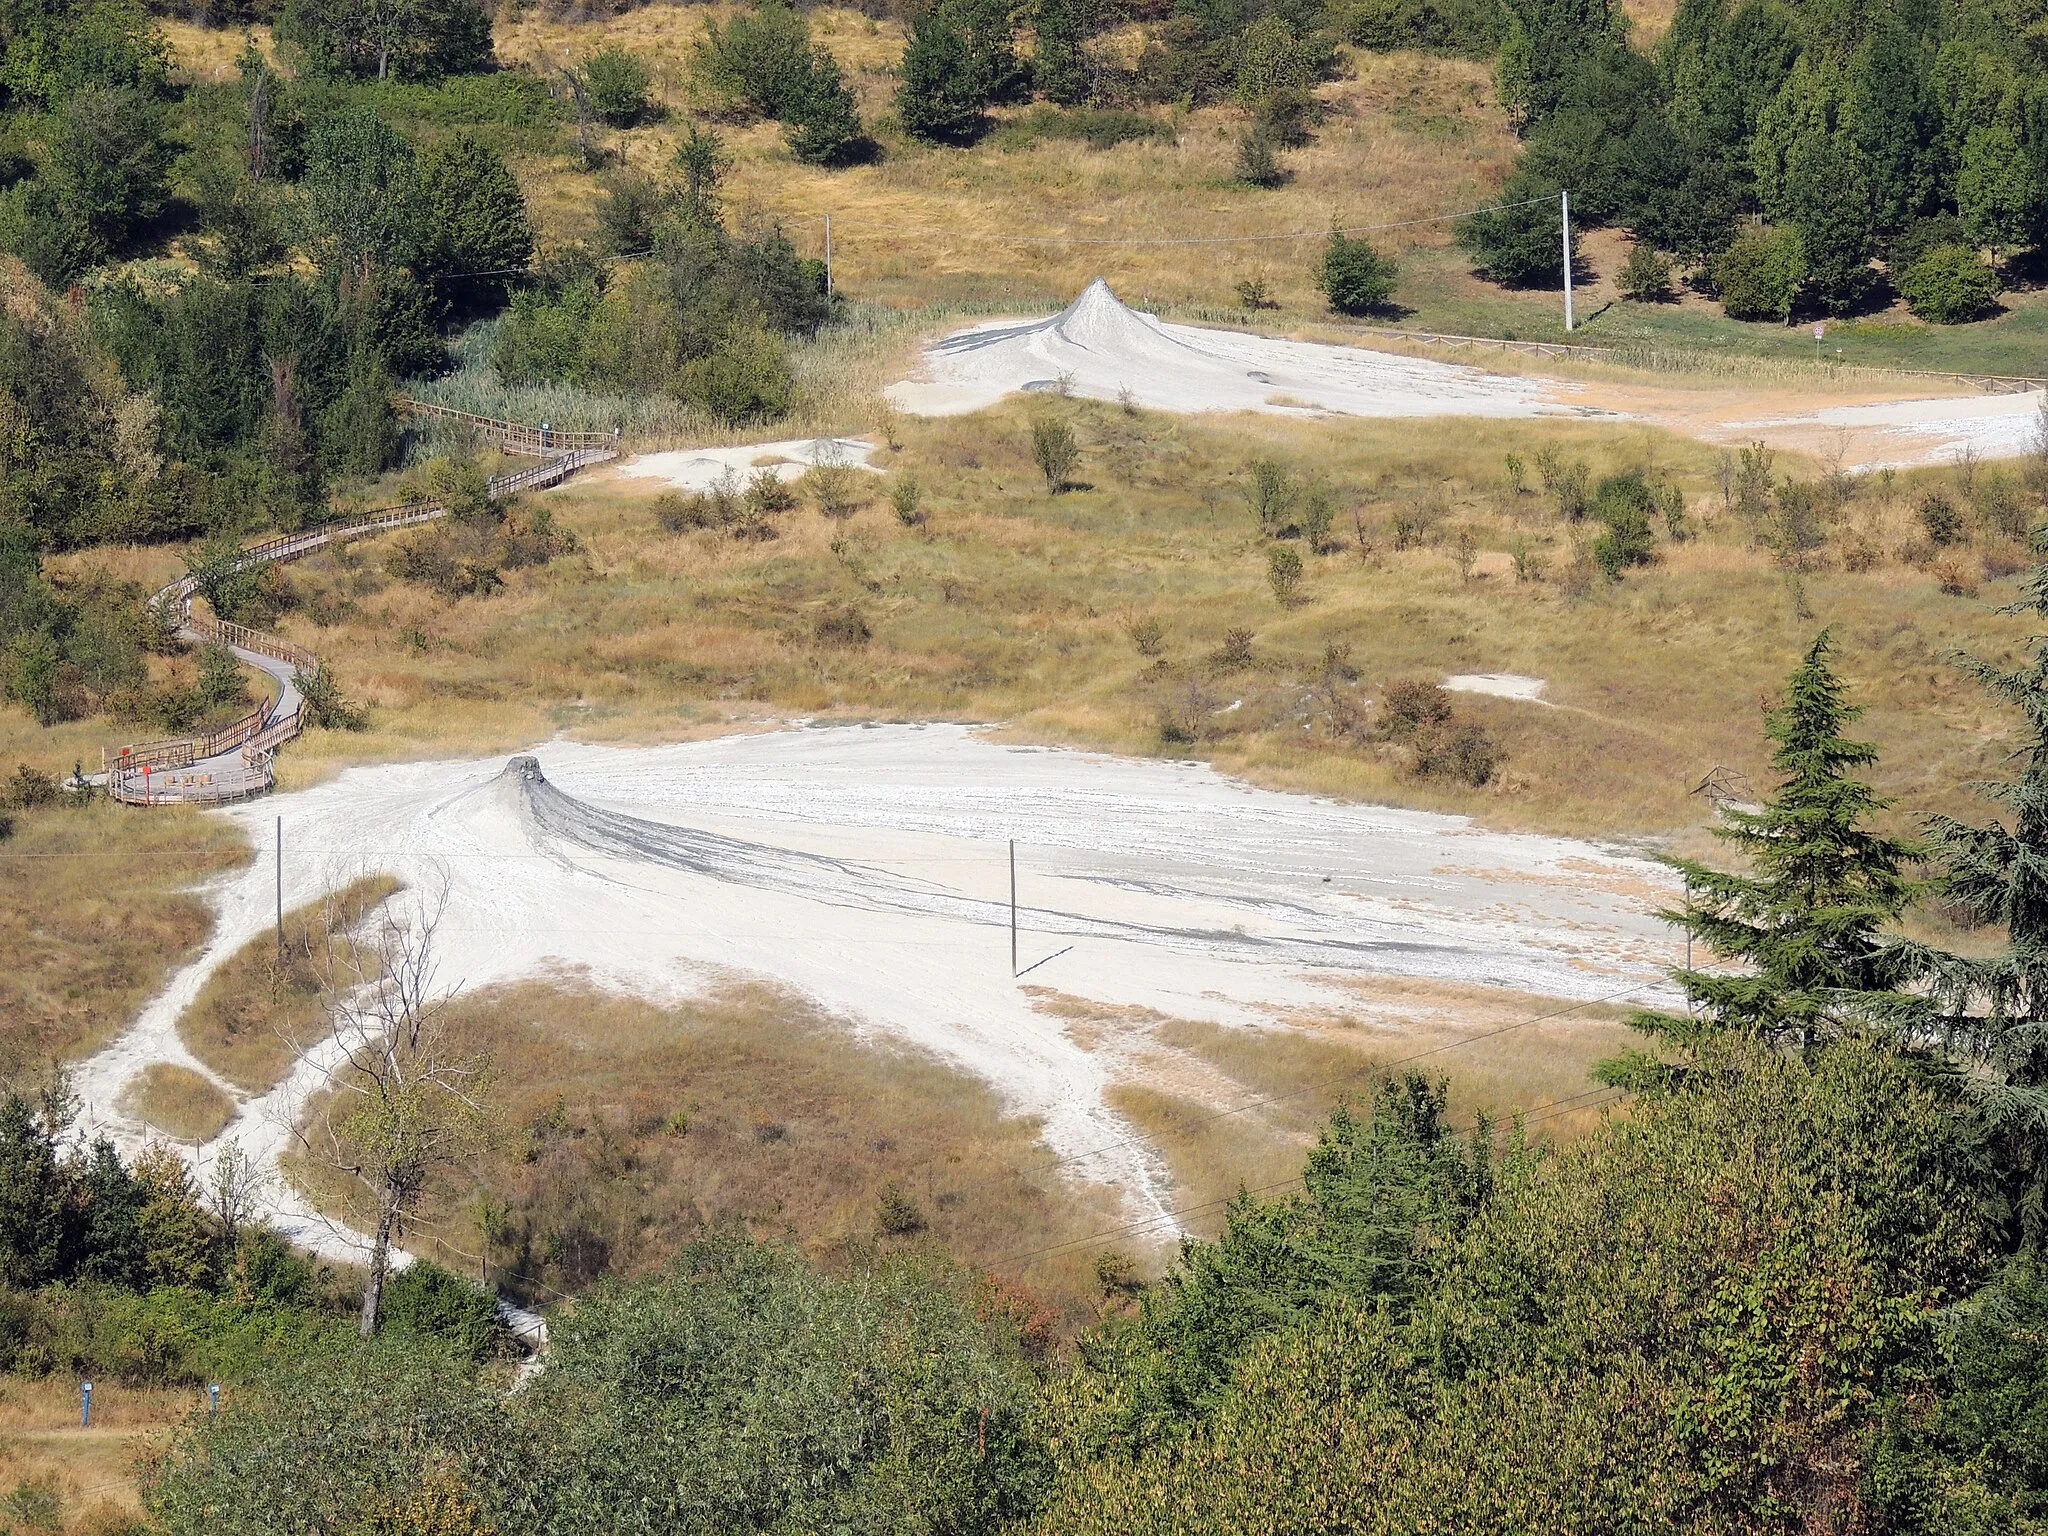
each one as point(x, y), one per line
point(92, 1471)
point(178, 1102)
point(1013, 607)
point(96, 907)
point(627, 1128)
point(1406, 136)
point(244, 1022)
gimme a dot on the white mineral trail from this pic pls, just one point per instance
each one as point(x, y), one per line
point(866, 868)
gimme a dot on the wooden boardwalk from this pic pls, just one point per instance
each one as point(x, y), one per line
point(235, 762)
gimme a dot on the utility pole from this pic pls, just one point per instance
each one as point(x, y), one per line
point(1013, 906)
point(828, 255)
point(280, 891)
point(1565, 212)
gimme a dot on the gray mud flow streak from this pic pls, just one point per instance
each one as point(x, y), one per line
point(560, 818)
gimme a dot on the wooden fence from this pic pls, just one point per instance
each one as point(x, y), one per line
point(197, 770)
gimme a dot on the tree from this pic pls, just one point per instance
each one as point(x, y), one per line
point(220, 679)
point(1998, 190)
point(1519, 241)
point(475, 237)
point(32, 1196)
point(362, 190)
point(1950, 285)
point(820, 122)
point(1761, 273)
point(617, 81)
point(1801, 930)
point(1054, 447)
point(1354, 276)
point(1624, 504)
point(407, 1099)
point(1992, 1011)
point(389, 39)
point(1058, 68)
point(109, 164)
point(941, 97)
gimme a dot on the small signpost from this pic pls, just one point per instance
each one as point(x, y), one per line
point(85, 1405)
point(1820, 332)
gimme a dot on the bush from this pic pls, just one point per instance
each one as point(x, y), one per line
point(1517, 242)
point(758, 62)
point(1625, 504)
point(843, 625)
point(897, 1213)
point(1646, 275)
point(745, 378)
point(1460, 750)
point(1356, 278)
point(1258, 158)
point(1283, 572)
point(942, 97)
point(1941, 519)
point(1950, 286)
point(616, 83)
point(1096, 127)
point(425, 1301)
point(1411, 705)
point(1054, 448)
point(1761, 273)
point(325, 706)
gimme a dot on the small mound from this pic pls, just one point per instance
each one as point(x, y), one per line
point(1101, 348)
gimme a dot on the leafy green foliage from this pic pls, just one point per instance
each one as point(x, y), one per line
point(425, 1301)
point(475, 237)
point(388, 39)
point(1714, 1314)
point(1761, 273)
point(941, 98)
point(1058, 68)
point(764, 62)
point(1625, 505)
point(618, 81)
point(1354, 276)
point(1519, 241)
point(1949, 285)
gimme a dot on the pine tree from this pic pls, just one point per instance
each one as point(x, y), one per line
point(1993, 1011)
point(1802, 933)
point(32, 1197)
point(821, 122)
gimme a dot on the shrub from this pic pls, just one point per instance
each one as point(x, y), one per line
point(30, 789)
point(942, 97)
point(897, 1214)
point(1761, 273)
point(1646, 275)
point(325, 705)
point(1411, 705)
point(1356, 278)
point(1938, 515)
point(425, 1301)
point(1957, 575)
point(1318, 512)
point(843, 625)
point(758, 62)
point(821, 125)
point(1283, 572)
point(839, 489)
point(1624, 504)
point(221, 685)
point(1096, 127)
point(1949, 286)
point(1516, 242)
point(1258, 158)
point(1236, 650)
point(1056, 451)
point(1253, 293)
point(1460, 750)
point(744, 378)
point(616, 82)
point(906, 496)
point(1148, 635)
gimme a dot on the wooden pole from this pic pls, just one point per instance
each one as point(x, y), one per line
point(828, 255)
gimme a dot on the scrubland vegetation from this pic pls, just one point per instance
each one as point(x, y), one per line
point(1767, 1264)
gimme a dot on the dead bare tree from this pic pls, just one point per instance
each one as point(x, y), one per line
point(402, 1098)
point(235, 1191)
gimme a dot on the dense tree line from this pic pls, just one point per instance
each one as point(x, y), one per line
point(1781, 148)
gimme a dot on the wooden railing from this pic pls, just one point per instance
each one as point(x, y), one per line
point(511, 436)
point(186, 770)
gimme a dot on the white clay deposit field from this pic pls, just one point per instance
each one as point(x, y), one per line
point(1101, 349)
point(867, 869)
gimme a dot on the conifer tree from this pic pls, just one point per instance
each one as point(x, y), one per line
point(1993, 1011)
point(941, 97)
point(1057, 66)
point(1800, 931)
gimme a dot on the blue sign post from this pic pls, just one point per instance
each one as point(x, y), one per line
point(213, 1399)
point(85, 1405)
